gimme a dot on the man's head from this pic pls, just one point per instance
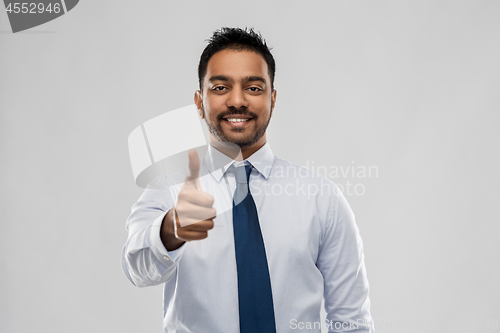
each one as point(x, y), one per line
point(236, 95)
point(235, 39)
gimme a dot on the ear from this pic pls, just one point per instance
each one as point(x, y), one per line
point(198, 100)
point(273, 99)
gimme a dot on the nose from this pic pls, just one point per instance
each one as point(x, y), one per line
point(236, 98)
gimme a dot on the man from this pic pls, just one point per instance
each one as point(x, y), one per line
point(287, 239)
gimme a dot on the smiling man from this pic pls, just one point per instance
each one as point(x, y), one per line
point(289, 239)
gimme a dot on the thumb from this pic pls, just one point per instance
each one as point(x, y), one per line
point(194, 167)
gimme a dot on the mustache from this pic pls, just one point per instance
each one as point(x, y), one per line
point(235, 111)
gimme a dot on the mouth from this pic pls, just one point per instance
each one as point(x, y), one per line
point(237, 120)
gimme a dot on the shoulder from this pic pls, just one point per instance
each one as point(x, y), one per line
point(308, 189)
point(285, 169)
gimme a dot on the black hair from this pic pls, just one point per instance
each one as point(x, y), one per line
point(236, 39)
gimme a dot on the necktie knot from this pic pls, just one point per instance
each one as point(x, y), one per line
point(242, 175)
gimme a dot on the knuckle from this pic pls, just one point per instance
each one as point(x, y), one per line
point(210, 225)
point(181, 211)
point(182, 195)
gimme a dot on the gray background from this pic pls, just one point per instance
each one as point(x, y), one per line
point(411, 87)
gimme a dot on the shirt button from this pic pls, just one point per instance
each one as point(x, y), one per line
point(166, 258)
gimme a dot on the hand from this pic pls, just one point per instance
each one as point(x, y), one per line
point(193, 216)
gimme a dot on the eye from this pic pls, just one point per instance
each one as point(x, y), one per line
point(219, 88)
point(254, 89)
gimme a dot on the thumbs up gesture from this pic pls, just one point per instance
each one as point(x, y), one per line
point(193, 215)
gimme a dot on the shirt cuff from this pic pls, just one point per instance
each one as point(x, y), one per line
point(165, 258)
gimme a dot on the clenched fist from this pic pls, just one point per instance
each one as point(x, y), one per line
point(193, 215)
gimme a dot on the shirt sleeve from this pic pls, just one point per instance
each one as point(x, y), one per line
point(145, 261)
point(341, 262)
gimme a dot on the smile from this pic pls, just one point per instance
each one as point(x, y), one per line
point(237, 120)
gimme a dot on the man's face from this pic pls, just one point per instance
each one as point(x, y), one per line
point(237, 99)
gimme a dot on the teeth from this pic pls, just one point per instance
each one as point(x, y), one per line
point(236, 120)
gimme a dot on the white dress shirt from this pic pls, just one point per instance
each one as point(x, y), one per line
point(312, 244)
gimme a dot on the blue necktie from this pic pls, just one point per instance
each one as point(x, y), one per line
point(254, 285)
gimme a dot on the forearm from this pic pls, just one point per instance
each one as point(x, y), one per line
point(341, 262)
point(145, 260)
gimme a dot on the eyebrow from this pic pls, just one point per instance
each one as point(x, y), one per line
point(255, 78)
point(219, 78)
point(227, 79)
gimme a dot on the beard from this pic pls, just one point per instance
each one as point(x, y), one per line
point(243, 141)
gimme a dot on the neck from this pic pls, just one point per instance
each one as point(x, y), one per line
point(247, 152)
point(234, 151)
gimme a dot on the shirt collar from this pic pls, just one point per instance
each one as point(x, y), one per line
point(217, 163)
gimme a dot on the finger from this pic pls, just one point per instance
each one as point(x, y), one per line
point(194, 168)
point(189, 213)
point(184, 221)
point(196, 197)
point(196, 212)
point(204, 225)
point(191, 235)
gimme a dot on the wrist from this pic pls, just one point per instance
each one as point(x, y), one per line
point(167, 233)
